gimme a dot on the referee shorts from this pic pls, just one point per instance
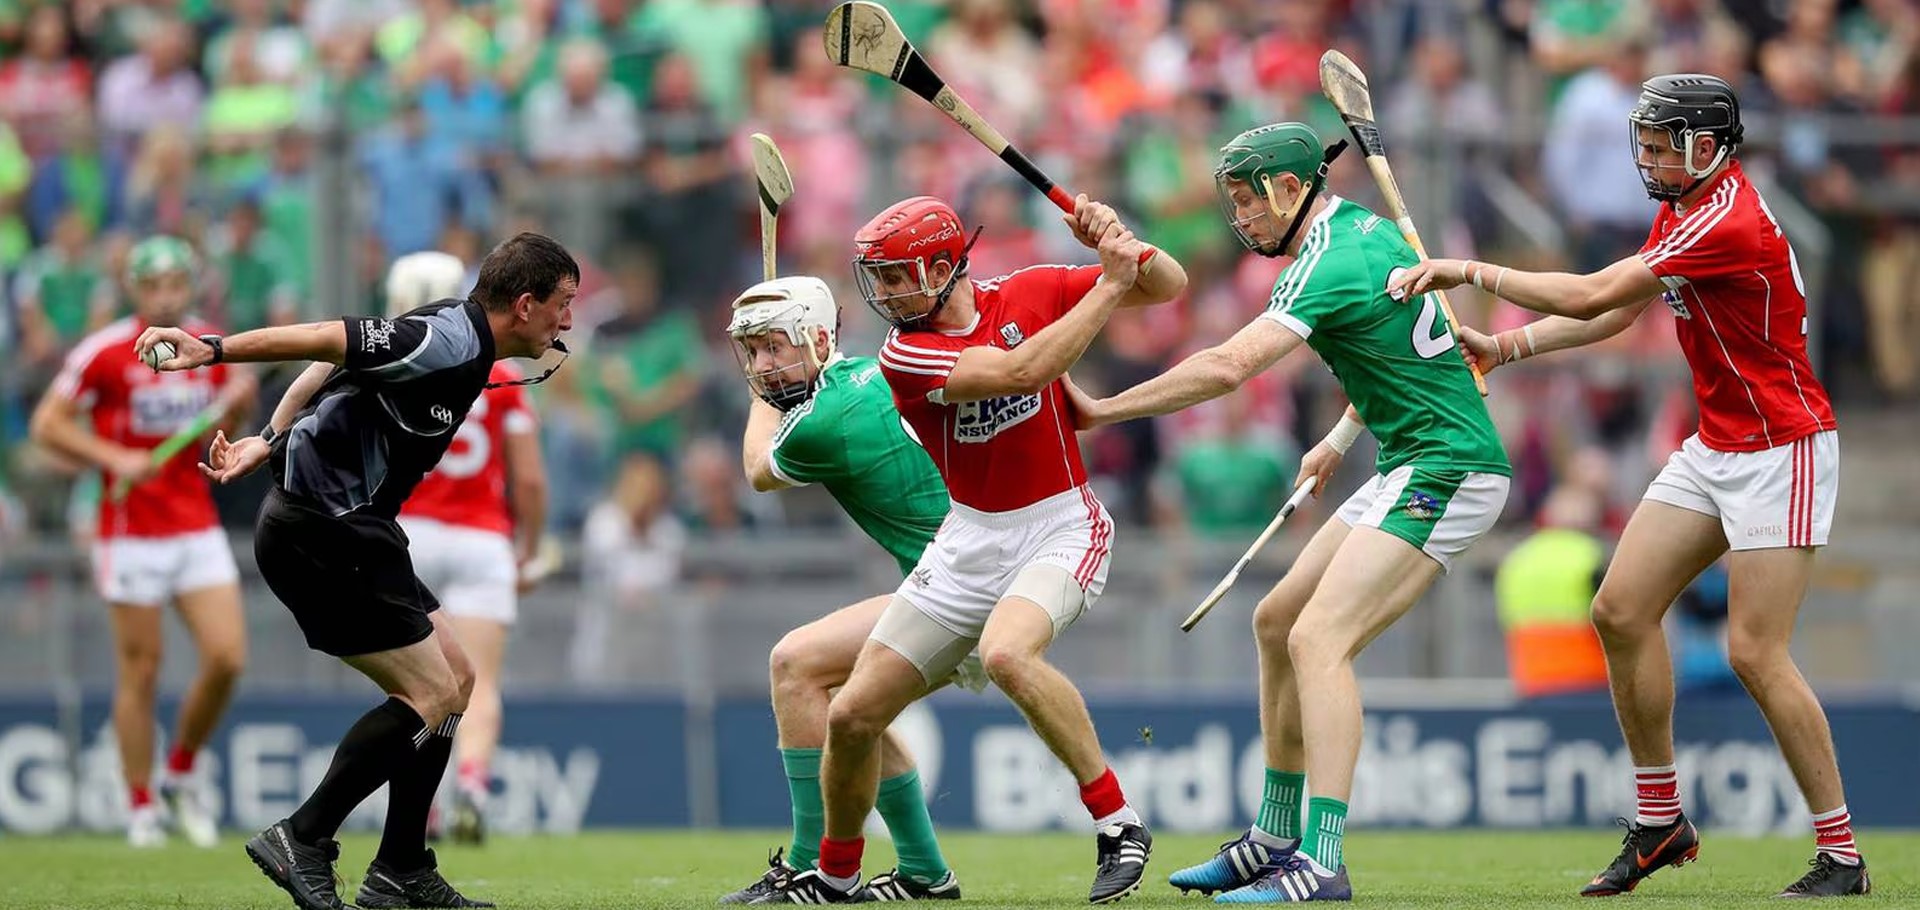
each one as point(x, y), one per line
point(347, 580)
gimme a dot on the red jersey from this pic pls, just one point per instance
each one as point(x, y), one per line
point(1741, 313)
point(469, 486)
point(1002, 453)
point(137, 407)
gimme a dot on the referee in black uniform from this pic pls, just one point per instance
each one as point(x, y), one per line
point(348, 443)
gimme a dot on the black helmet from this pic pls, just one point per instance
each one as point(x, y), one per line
point(1687, 106)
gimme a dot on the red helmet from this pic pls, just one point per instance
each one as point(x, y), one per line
point(895, 252)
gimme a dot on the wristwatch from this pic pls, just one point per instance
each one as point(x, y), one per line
point(267, 434)
point(219, 348)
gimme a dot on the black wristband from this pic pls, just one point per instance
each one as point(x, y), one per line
point(219, 348)
point(267, 434)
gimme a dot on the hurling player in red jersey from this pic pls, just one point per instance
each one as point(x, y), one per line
point(975, 368)
point(473, 527)
point(163, 542)
point(1759, 478)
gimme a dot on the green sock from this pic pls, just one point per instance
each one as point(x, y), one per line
point(1281, 804)
point(904, 808)
point(1326, 824)
point(809, 811)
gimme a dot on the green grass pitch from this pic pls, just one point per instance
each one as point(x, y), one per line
point(637, 870)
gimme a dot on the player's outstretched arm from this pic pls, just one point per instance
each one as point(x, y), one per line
point(756, 450)
point(1161, 278)
point(1204, 376)
point(1621, 284)
point(322, 341)
point(1553, 333)
point(983, 372)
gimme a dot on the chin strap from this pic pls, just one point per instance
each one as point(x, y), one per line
point(1301, 206)
point(953, 281)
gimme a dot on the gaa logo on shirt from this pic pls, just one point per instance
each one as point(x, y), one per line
point(1677, 305)
point(980, 421)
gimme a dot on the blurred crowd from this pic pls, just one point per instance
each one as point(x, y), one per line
point(620, 127)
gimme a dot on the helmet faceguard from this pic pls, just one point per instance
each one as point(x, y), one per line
point(1257, 158)
point(774, 331)
point(895, 254)
point(1686, 108)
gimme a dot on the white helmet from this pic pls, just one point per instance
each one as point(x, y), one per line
point(418, 279)
point(798, 307)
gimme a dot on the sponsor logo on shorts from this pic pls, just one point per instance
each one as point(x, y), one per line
point(1766, 531)
point(1422, 506)
point(921, 576)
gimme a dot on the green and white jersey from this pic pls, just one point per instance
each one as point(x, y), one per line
point(849, 438)
point(1395, 359)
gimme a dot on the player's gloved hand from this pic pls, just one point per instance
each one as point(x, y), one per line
point(1431, 275)
point(1482, 351)
point(188, 352)
point(230, 461)
point(1119, 256)
point(1319, 464)
point(1086, 408)
point(131, 465)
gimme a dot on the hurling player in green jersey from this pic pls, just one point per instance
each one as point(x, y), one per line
point(822, 417)
point(1441, 482)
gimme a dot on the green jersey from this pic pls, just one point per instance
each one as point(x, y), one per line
point(849, 438)
point(1395, 359)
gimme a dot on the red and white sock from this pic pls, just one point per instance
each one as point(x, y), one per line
point(1106, 803)
point(839, 861)
point(1658, 793)
point(1833, 835)
point(180, 761)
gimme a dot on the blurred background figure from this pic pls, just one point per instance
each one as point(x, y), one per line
point(1544, 591)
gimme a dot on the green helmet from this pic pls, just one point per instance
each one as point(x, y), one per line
point(157, 255)
point(1257, 158)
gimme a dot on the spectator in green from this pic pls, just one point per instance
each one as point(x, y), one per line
point(243, 114)
point(280, 50)
point(614, 24)
point(401, 36)
point(1169, 176)
point(286, 197)
point(1571, 36)
point(63, 292)
point(350, 83)
point(650, 363)
point(16, 172)
point(72, 175)
point(249, 270)
point(1232, 482)
point(724, 40)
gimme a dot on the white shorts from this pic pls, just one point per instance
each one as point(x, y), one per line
point(152, 571)
point(977, 557)
point(1778, 497)
point(470, 571)
point(1442, 512)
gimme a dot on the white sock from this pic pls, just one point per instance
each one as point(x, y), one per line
point(843, 884)
point(1318, 869)
point(1270, 841)
point(1126, 816)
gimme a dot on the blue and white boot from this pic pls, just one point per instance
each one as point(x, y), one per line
point(1239, 862)
point(1295, 881)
